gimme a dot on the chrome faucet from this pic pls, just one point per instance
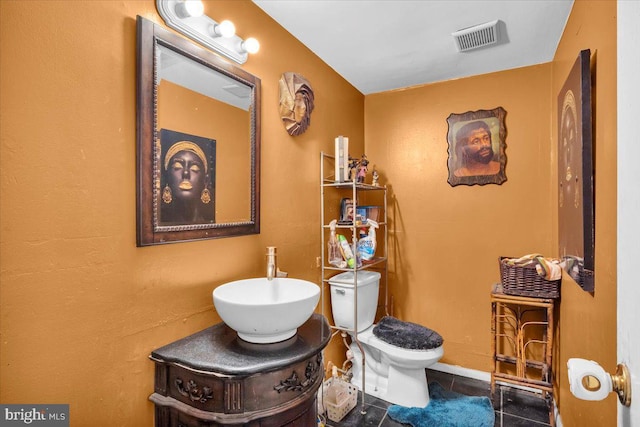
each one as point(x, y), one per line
point(272, 263)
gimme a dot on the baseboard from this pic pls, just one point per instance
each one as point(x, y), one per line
point(461, 371)
point(486, 376)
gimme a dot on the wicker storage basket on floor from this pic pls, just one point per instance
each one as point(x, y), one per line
point(524, 280)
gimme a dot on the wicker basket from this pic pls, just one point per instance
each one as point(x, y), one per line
point(525, 281)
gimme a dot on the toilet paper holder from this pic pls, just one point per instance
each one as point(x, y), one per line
point(589, 381)
point(622, 384)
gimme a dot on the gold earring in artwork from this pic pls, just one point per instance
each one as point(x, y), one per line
point(205, 196)
point(167, 197)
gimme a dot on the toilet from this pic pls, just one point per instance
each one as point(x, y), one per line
point(392, 372)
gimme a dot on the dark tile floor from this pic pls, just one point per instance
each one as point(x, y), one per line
point(515, 408)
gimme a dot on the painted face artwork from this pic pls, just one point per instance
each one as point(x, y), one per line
point(478, 146)
point(299, 107)
point(186, 175)
point(186, 198)
point(569, 177)
point(476, 155)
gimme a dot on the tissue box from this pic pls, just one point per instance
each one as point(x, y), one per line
point(368, 212)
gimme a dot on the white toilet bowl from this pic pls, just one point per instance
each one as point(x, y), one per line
point(394, 374)
point(391, 372)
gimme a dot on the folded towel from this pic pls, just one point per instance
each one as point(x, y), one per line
point(573, 265)
point(547, 268)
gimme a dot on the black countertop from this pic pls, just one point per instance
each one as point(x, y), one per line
point(218, 349)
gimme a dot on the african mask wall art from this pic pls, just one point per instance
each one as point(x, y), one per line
point(296, 103)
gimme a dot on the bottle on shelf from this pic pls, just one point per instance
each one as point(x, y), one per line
point(347, 253)
point(333, 248)
point(367, 244)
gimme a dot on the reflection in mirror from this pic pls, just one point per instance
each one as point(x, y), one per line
point(218, 107)
point(198, 142)
point(576, 214)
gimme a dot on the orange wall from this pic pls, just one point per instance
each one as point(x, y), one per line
point(81, 306)
point(588, 321)
point(448, 239)
point(444, 259)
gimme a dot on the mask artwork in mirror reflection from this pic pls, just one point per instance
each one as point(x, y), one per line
point(187, 179)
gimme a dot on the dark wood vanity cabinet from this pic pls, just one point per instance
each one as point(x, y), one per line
point(213, 378)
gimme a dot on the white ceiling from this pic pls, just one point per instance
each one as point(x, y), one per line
point(380, 45)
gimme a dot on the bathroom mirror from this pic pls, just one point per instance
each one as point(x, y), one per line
point(576, 196)
point(198, 142)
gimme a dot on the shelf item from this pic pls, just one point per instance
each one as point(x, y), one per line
point(366, 213)
point(374, 263)
point(342, 159)
point(522, 343)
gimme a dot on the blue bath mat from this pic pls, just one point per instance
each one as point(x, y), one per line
point(447, 409)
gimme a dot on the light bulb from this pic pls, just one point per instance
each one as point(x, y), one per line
point(251, 45)
point(223, 29)
point(188, 8)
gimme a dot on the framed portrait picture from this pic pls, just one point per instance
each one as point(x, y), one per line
point(477, 142)
point(187, 180)
point(576, 222)
point(181, 205)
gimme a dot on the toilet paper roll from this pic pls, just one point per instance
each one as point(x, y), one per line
point(582, 379)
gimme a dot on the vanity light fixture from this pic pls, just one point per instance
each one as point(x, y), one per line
point(187, 8)
point(182, 16)
point(223, 29)
point(250, 45)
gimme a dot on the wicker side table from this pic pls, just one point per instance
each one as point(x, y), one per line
point(522, 343)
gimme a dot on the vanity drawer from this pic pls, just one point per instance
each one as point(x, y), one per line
point(276, 388)
point(216, 393)
point(201, 391)
point(303, 414)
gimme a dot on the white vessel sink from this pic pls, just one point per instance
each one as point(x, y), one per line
point(266, 311)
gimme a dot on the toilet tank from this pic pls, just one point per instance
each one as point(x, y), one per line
point(343, 298)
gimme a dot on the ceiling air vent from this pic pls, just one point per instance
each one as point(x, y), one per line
point(477, 36)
